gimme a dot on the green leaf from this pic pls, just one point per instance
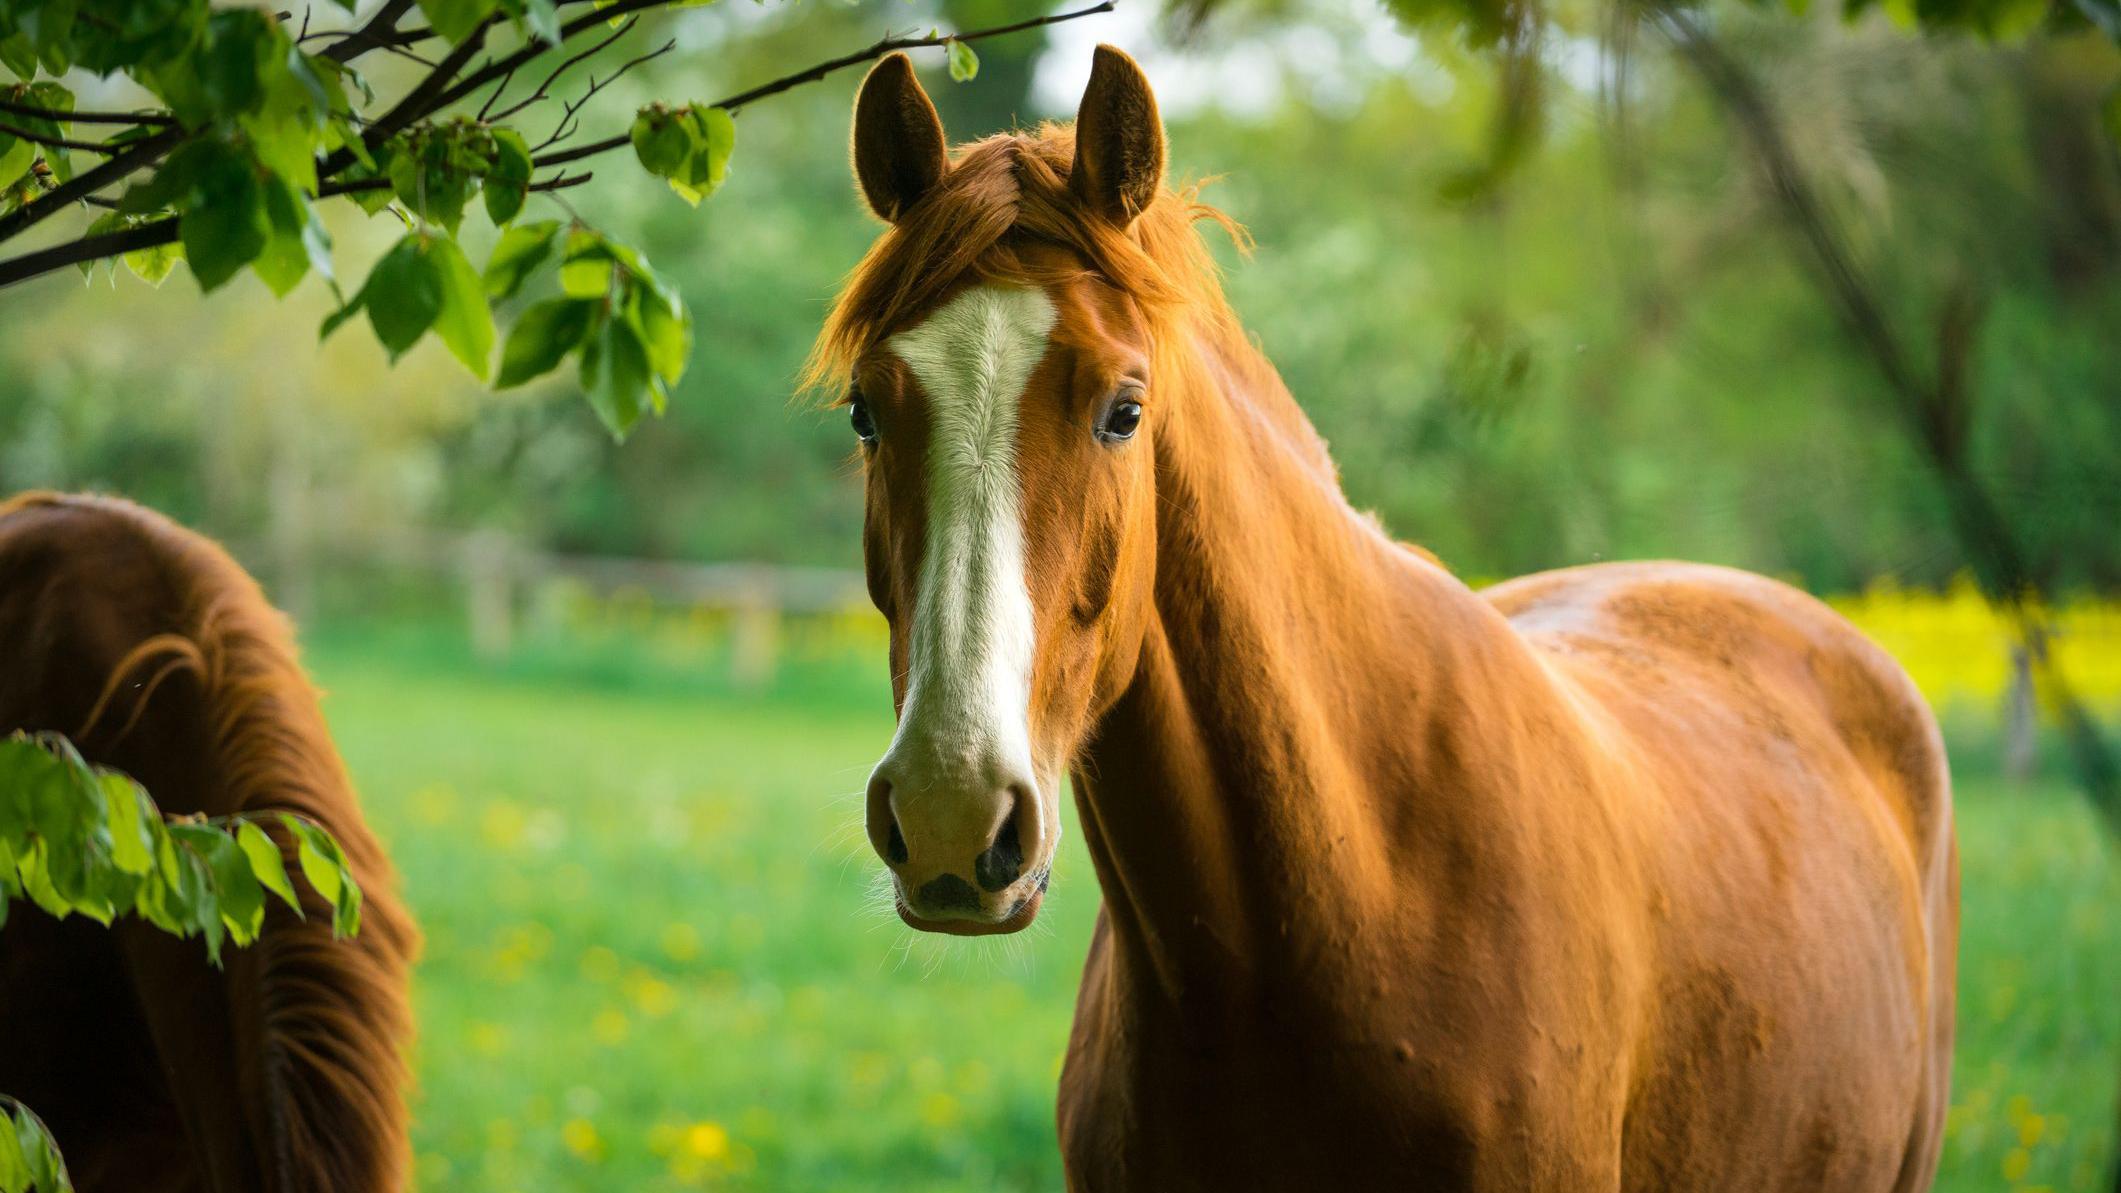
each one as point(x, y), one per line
point(223, 225)
point(543, 17)
point(333, 321)
point(508, 182)
point(14, 1168)
point(615, 375)
point(465, 323)
point(661, 141)
point(587, 270)
point(713, 133)
point(40, 1156)
point(964, 64)
point(154, 263)
point(542, 337)
point(132, 845)
point(404, 294)
point(18, 55)
point(266, 863)
point(665, 328)
point(455, 19)
point(16, 157)
point(521, 250)
point(430, 174)
point(324, 865)
point(298, 239)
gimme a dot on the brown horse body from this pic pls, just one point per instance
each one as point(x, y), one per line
point(1632, 877)
point(156, 1072)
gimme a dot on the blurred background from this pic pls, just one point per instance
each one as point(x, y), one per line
point(612, 705)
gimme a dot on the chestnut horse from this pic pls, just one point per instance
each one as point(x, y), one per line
point(1628, 877)
point(157, 1072)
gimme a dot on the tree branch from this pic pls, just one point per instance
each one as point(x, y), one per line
point(143, 153)
point(156, 119)
point(432, 94)
point(54, 142)
point(876, 50)
point(87, 248)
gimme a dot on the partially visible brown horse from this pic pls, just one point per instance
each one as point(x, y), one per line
point(156, 1072)
point(1635, 877)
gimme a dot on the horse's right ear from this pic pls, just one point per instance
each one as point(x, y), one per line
point(898, 139)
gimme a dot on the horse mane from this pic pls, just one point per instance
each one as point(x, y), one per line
point(999, 193)
point(328, 1019)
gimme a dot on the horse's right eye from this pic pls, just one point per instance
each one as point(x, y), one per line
point(858, 415)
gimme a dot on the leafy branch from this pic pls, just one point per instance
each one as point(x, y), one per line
point(255, 130)
point(29, 1160)
point(78, 839)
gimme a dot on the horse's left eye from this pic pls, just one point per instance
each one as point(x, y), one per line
point(858, 414)
point(1120, 421)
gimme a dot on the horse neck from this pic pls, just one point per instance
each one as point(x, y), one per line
point(1254, 776)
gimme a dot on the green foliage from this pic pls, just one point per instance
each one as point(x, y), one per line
point(77, 839)
point(627, 322)
point(29, 1160)
point(964, 64)
point(261, 126)
point(689, 146)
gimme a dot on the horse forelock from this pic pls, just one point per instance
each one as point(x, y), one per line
point(1000, 195)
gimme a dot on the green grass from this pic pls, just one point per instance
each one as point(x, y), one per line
point(655, 961)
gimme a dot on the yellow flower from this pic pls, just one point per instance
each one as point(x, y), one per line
point(681, 941)
point(609, 1027)
point(939, 1109)
point(599, 964)
point(707, 1141)
point(580, 1136)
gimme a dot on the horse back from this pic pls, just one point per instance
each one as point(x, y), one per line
point(158, 655)
point(1791, 805)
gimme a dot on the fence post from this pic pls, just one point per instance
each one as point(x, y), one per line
point(2021, 727)
point(486, 563)
point(756, 634)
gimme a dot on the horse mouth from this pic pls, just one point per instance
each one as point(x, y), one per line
point(1017, 917)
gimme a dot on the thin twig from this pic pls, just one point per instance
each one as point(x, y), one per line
point(87, 248)
point(566, 126)
point(55, 142)
point(140, 155)
point(158, 119)
point(545, 87)
point(877, 50)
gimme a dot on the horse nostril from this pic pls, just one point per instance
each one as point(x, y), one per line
point(895, 845)
point(949, 893)
point(1004, 860)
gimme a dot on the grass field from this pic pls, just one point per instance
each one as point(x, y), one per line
point(654, 958)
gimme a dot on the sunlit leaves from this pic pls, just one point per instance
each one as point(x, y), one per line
point(629, 326)
point(465, 323)
point(689, 146)
point(29, 1159)
point(964, 64)
point(508, 178)
point(17, 153)
point(81, 840)
point(542, 337)
point(455, 19)
point(521, 250)
point(425, 282)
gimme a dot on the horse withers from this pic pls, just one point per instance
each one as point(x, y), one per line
point(1625, 877)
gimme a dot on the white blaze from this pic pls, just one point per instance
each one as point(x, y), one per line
point(969, 689)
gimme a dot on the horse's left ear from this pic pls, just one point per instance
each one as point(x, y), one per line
point(1119, 140)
